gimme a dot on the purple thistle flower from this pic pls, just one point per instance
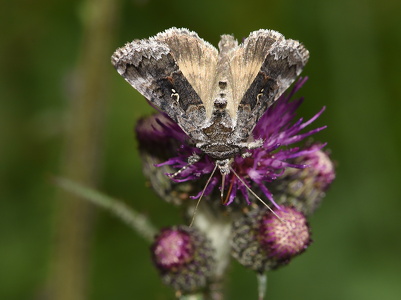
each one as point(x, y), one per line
point(305, 188)
point(264, 165)
point(321, 166)
point(172, 249)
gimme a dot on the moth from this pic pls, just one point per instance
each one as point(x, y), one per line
point(215, 95)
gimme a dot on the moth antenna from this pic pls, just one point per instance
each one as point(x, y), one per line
point(256, 196)
point(203, 192)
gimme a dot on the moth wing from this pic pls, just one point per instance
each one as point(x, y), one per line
point(172, 70)
point(197, 60)
point(262, 68)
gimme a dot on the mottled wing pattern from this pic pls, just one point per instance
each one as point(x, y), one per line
point(244, 64)
point(262, 68)
point(174, 71)
point(197, 60)
point(184, 76)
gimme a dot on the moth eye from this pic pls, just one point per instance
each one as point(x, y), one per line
point(174, 95)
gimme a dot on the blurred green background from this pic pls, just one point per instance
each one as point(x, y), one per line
point(65, 111)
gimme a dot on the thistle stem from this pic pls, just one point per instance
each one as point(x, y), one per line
point(192, 297)
point(262, 285)
point(138, 222)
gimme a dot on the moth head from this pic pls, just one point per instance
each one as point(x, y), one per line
point(224, 166)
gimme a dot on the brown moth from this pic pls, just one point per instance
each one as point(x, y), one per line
point(215, 96)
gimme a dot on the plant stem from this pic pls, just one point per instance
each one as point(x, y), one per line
point(262, 285)
point(138, 222)
point(192, 297)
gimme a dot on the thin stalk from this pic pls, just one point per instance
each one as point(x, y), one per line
point(192, 297)
point(262, 285)
point(138, 222)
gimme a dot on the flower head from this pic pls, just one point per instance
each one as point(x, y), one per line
point(284, 238)
point(305, 188)
point(172, 249)
point(263, 165)
point(184, 258)
point(262, 242)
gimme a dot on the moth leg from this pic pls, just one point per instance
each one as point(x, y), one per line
point(246, 154)
point(255, 144)
point(250, 145)
point(194, 158)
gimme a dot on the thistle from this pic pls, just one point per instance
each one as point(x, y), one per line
point(184, 258)
point(226, 133)
point(289, 170)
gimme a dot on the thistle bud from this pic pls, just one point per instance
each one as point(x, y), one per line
point(264, 241)
point(184, 258)
point(305, 188)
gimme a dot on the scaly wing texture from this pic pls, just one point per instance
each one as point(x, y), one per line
point(262, 68)
point(197, 60)
point(173, 70)
point(267, 51)
point(180, 73)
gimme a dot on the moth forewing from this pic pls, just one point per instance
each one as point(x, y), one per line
point(196, 58)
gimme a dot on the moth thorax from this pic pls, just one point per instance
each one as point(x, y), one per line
point(220, 103)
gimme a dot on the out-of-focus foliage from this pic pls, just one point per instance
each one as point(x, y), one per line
point(354, 70)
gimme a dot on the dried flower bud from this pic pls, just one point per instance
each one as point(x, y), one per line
point(305, 188)
point(261, 241)
point(184, 258)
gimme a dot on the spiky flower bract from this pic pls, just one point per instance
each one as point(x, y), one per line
point(293, 169)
